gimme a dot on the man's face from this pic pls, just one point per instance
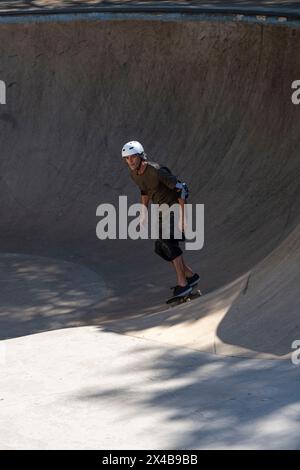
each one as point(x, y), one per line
point(133, 162)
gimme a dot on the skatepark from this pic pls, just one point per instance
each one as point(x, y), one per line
point(91, 356)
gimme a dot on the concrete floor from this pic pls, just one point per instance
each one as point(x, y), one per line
point(84, 388)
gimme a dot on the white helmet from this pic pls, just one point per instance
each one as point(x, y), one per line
point(133, 148)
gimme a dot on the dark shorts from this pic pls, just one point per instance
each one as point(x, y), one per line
point(168, 248)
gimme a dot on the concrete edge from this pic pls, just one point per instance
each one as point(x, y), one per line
point(37, 16)
point(289, 12)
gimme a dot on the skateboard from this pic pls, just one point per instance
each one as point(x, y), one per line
point(195, 294)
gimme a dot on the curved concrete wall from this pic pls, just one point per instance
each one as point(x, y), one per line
point(210, 99)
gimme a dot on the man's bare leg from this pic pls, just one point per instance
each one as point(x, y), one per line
point(180, 271)
point(187, 270)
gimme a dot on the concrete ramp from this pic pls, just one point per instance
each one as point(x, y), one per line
point(208, 96)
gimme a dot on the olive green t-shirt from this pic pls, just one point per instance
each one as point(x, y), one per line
point(157, 183)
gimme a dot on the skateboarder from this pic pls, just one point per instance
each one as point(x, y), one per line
point(159, 185)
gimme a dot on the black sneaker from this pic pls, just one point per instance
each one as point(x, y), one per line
point(182, 291)
point(193, 281)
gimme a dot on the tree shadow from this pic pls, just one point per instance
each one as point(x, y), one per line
point(255, 313)
point(190, 400)
point(40, 294)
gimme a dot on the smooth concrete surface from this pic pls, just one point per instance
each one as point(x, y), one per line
point(50, 291)
point(212, 100)
point(82, 388)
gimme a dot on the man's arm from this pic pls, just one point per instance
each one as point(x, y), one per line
point(182, 221)
point(167, 178)
point(171, 181)
point(145, 200)
point(145, 203)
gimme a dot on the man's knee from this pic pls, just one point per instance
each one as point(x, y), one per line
point(166, 250)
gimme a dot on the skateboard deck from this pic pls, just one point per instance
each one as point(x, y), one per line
point(173, 301)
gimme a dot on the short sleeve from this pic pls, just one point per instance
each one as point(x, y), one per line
point(167, 178)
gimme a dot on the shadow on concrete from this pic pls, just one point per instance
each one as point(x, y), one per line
point(216, 402)
point(247, 315)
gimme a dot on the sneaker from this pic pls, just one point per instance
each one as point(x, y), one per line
point(181, 291)
point(193, 281)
